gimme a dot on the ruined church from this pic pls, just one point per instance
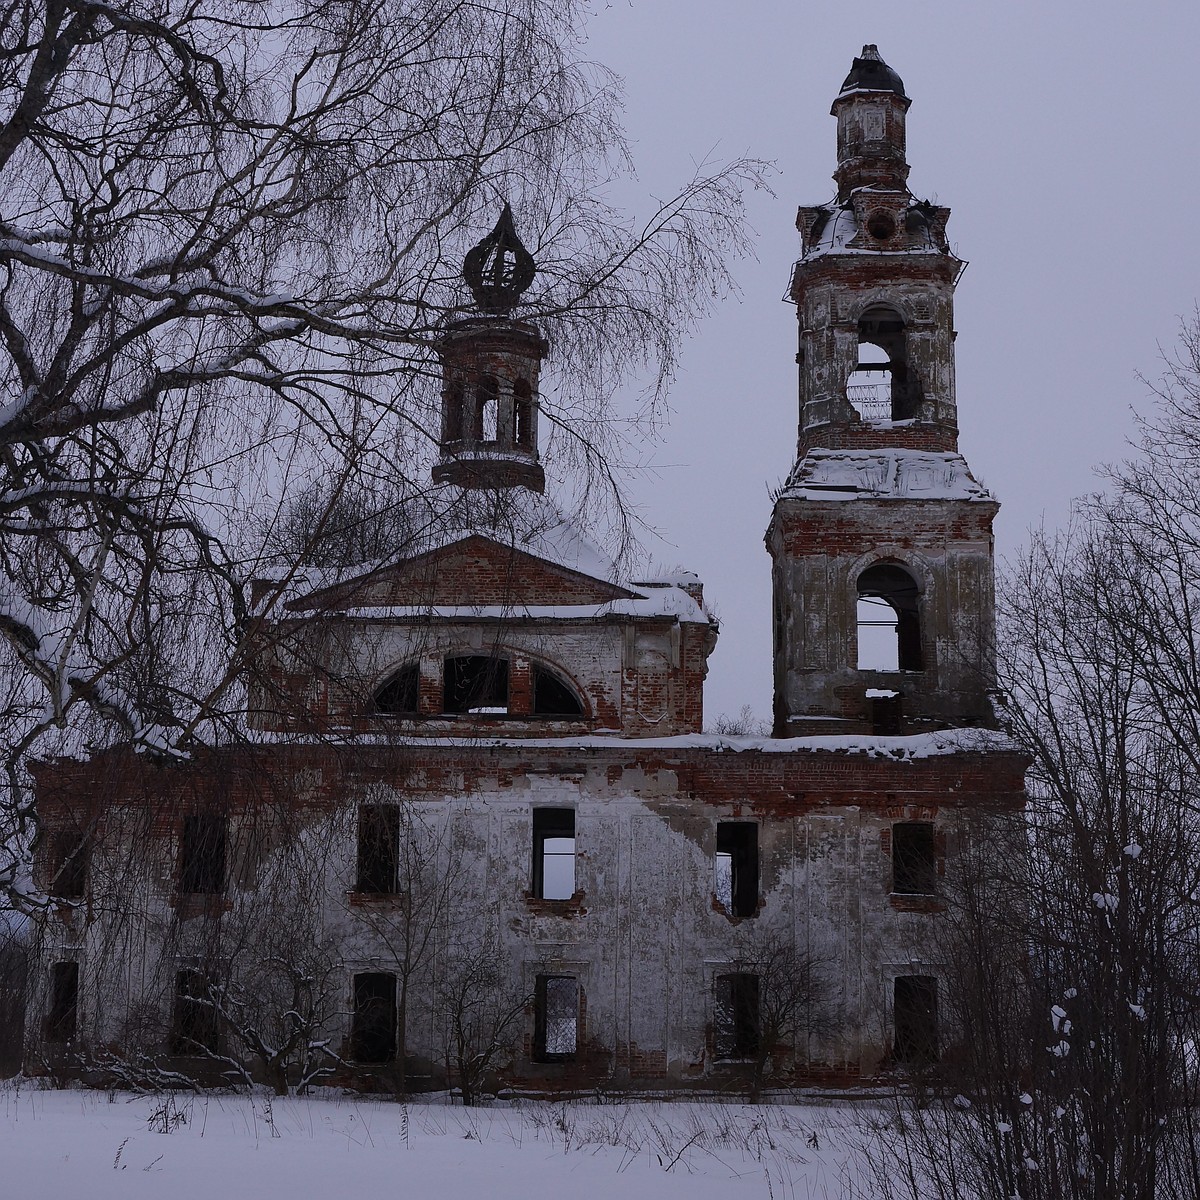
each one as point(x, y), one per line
point(475, 799)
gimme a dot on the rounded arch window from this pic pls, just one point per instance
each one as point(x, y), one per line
point(483, 419)
point(889, 620)
point(399, 694)
point(553, 694)
point(880, 387)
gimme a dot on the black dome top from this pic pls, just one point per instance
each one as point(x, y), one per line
point(871, 74)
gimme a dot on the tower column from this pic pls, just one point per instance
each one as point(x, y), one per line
point(881, 538)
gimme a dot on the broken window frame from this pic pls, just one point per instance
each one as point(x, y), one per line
point(69, 863)
point(914, 858)
point(484, 692)
point(62, 1010)
point(553, 825)
point(885, 329)
point(737, 860)
point(893, 586)
point(555, 1018)
point(737, 1015)
point(373, 1018)
point(550, 688)
point(400, 694)
point(195, 1023)
point(204, 852)
point(377, 860)
point(915, 1020)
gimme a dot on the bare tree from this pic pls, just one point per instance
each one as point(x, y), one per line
point(230, 236)
point(413, 916)
point(744, 724)
point(14, 955)
point(770, 1002)
point(1075, 939)
point(483, 1010)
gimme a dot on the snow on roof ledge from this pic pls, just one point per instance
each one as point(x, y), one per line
point(667, 601)
point(681, 578)
point(883, 474)
point(898, 749)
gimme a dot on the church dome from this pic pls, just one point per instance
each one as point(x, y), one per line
point(871, 74)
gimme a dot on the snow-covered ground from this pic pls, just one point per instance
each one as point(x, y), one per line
point(91, 1144)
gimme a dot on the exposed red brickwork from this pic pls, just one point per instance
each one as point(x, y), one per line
point(475, 571)
point(762, 783)
point(935, 438)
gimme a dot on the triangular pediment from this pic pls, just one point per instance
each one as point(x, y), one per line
point(472, 571)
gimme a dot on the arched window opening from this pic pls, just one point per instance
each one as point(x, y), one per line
point(522, 413)
point(483, 418)
point(475, 684)
point(452, 413)
point(869, 388)
point(889, 622)
point(399, 694)
point(553, 696)
point(880, 388)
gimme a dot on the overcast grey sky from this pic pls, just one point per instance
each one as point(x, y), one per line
point(1062, 134)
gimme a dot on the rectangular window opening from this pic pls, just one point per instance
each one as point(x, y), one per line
point(373, 1023)
point(737, 867)
point(378, 862)
point(553, 853)
point(63, 1014)
point(914, 859)
point(915, 1012)
point(195, 1026)
point(475, 684)
point(556, 1013)
point(69, 861)
point(737, 1015)
point(202, 853)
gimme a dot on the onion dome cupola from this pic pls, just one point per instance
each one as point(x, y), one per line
point(490, 367)
point(874, 287)
point(870, 111)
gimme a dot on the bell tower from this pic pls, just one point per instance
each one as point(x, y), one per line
point(490, 367)
point(881, 539)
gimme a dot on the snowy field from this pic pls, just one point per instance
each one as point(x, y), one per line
point(91, 1144)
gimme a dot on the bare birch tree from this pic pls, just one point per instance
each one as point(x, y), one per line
point(230, 234)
